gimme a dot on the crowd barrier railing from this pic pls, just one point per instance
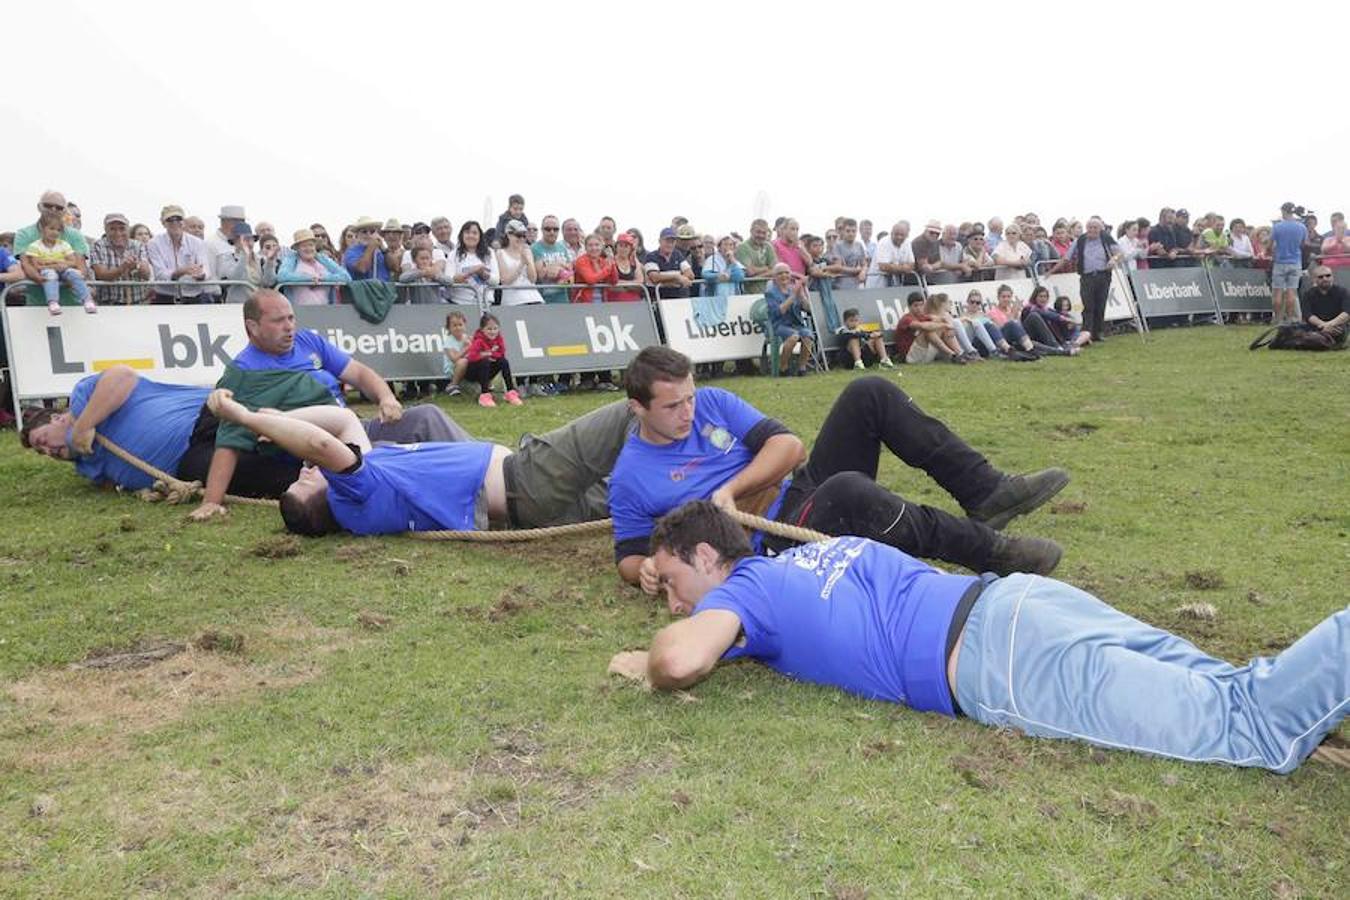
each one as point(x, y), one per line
point(9, 296)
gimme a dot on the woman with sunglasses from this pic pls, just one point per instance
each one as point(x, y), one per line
point(515, 263)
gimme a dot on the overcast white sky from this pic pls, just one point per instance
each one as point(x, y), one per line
point(328, 111)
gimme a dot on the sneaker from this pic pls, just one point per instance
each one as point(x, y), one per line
point(453, 390)
point(90, 306)
point(608, 387)
point(537, 390)
point(956, 360)
point(1017, 495)
point(1015, 553)
point(513, 398)
point(858, 364)
point(485, 399)
point(54, 307)
point(887, 364)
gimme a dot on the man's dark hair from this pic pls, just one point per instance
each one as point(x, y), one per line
point(846, 221)
point(914, 297)
point(253, 308)
point(515, 198)
point(700, 522)
point(654, 364)
point(850, 312)
point(33, 417)
point(311, 517)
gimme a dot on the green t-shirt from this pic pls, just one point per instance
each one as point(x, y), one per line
point(1216, 240)
point(747, 254)
point(283, 389)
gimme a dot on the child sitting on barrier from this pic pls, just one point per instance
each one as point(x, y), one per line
point(862, 346)
point(50, 260)
point(456, 344)
point(487, 358)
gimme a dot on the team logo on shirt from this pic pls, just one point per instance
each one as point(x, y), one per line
point(316, 361)
point(718, 436)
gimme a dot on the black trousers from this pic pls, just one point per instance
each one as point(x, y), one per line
point(1095, 289)
point(255, 474)
point(484, 370)
point(836, 490)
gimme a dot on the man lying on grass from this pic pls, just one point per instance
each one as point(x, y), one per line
point(460, 486)
point(1021, 651)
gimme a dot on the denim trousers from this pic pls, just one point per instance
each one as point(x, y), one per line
point(1053, 661)
point(51, 283)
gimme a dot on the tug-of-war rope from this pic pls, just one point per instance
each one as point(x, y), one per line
point(173, 490)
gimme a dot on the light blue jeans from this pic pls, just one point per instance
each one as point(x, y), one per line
point(51, 283)
point(1052, 661)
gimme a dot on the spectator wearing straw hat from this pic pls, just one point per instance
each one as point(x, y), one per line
point(365, 259)
point(395, 239)
point(177, 256)
point(116, 257)
point(305, 268)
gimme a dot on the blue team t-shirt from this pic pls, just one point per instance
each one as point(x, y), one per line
point(1288, 236)
point(378, 270)
point(310, 353)
point(411, 487)
point(155, 424)
point(850, 613)
point(649, 480)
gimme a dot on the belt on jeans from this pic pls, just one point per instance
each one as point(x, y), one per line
point(959, 616)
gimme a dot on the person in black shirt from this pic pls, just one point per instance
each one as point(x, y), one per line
point(1162, 241)
point(1326, 305)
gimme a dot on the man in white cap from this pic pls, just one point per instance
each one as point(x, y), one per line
point(220, 252)
point(116, 257)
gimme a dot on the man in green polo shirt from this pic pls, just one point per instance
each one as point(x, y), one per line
point(53, 202)
point(758, 257)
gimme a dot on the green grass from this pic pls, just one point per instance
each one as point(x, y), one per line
point(377, 718)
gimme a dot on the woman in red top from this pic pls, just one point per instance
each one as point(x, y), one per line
point(592, 267)
point(627, 269)
point(487, 357)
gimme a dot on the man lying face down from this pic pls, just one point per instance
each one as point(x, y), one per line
point(1020, 651)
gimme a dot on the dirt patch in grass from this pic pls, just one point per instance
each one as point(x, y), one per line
point(1076, 429)
point(1204, 580)
point(278, 547)
point(384, 822)
point(93, 709)
point(1068, 508)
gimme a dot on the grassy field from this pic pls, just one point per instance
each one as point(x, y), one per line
point(389, 717)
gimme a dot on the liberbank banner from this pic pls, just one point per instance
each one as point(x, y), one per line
point(1173, 292)
point(193, 344)
point(1241, 290)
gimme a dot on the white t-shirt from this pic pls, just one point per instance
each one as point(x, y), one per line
point(468, 292)
point(888, 254)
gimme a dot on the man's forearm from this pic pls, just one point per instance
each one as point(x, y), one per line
point(218, 476)
point(775, 460)
point(112, 390)
point(368, 382)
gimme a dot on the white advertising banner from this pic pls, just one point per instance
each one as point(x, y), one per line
point(1118, 304)
point(736, 337)
point(48, 355)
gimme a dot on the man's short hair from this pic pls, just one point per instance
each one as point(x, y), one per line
point(846, 222)
point(759, 223)
point(850, 312)
point(680, 531)
point(439, 220)
point(311, 517)
point(914, 297)
point(34, 417)
point(515, 198)
point(653, 364)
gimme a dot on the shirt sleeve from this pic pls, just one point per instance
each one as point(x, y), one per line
point(632, 524)
point(334, 360)
point(749, 597)
point(730, 410)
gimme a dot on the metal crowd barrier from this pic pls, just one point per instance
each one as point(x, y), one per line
point(9, 294)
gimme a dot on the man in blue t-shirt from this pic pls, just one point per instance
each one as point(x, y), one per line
point(277, 345)
point(432, 486)
point(710, 444)
point(1286, 269)
point(153, 421)
point(1021, 651)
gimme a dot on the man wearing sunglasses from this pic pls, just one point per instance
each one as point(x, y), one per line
point(52, 202)
point(1326, 305)
point(177, 256)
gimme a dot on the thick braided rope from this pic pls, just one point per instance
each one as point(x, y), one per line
point(1335, 756)
point(791, 532)
point(174, 488)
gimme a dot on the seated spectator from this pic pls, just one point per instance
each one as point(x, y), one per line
point(593, 268)
point(977, 258)
point(1044, 324)
point(1326, 305)
point(939, 309)
point(789, 250)
point(893, 260)
point(365, 258)
point(1240, 244)
point(1012, 254)
point(142, 233)
point(178, 256)
point(848, 255)
point(455, 340)
point(986, 335)
point(1132, 248)
point(487, 359)
point(515, 209)
point(302, 272)
point(422, 280)
point(758, 257)
point(553, 261)
point(788, 306)
point(53, 202)
point(918, 339)
point(667, 269)
point(927, 255)
point(861, 347)
point(51, 261)
point(627, 270)
point(1336, 246)
point(473, 268)
point(240, 264)
point(118, 257)
point(1073, 323)
point(515, 262)
point(1007, 314)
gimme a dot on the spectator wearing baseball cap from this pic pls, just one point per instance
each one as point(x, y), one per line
point(117, 257)
point(668, 269)
point(179, 257)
